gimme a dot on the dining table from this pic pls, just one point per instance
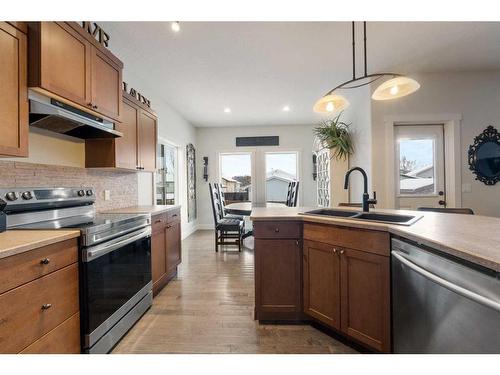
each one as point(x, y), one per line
point(245, 209)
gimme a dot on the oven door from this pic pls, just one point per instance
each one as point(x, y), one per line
point(116, 276)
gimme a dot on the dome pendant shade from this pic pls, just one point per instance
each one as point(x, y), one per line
point(330, 104)
point(395, 88)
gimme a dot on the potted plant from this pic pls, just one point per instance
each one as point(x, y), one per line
point(334, 134)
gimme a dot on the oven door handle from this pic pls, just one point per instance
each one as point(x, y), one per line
point(95, 252)
point(478, 298)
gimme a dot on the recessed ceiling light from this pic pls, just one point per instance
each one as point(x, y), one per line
point(176, 27)
point(286, 108)
point(227, 110)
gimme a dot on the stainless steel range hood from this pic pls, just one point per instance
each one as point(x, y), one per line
point(54, 115)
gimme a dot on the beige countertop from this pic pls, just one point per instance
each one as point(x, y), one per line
point(14, 242)
point(152, 209)
point(471, 237)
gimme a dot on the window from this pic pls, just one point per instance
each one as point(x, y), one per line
point(166, 175)
point(236, 176)
point(281, 169)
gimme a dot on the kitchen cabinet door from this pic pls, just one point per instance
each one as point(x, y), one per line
point(173, 246)
point(147, 141)
point(365, 298)
point(106, 85)
point(158, 260)
point(278, 271)
point(14, 102)
point(64, 57)
point(321, 267)
point(126, 151)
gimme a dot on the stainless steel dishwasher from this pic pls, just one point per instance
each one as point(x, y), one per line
point(442, 305)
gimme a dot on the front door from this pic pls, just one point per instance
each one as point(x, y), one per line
point(419, 166)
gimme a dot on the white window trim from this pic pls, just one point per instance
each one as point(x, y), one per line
point(164, 141)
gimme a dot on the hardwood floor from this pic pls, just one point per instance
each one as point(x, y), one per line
point(208, 308)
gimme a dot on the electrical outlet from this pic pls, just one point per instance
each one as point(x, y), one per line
point(107, 195)
point(466, 188)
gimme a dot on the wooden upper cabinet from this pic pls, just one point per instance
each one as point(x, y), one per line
point(147, 141)
point(322, 282)
point(66, 62)
point(106, 85)
point(365, 280)
point(127, 147)
point(14, 102)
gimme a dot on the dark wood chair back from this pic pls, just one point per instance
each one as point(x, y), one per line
point(216, 205)
point(222, 199)
point(292, 194)
point(464, 211)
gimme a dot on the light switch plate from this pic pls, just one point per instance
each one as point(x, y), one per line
point(107, 195)
point(466, 188)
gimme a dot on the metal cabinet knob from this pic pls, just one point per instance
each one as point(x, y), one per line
point(45, 261)
point(276, 230)
point(89, 105)
point(46, 306)
point(342, 252)
point(297, 243)
point(95, 107)
point(334, 250)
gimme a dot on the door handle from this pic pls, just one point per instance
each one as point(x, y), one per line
point(442, 202)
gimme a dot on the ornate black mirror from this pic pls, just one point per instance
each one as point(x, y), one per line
point(484, 156)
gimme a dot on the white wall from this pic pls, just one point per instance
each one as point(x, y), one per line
point(171, 125)
point(473, 95)
point(211, 141)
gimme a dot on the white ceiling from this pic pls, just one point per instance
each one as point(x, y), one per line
point(256, 68)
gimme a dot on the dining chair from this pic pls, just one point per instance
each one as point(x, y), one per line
point(464, 211)
point(292, 194)
point(228, 231)
point(222, 201)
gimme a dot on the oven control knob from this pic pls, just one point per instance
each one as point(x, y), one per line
point(27, 195)
point(90, 193)
point(81, 193)
point(11, 196)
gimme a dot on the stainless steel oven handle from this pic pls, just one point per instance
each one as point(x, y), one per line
point(114, 245)
point(447, 284)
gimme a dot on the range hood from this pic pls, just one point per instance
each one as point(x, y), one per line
point(54, 115)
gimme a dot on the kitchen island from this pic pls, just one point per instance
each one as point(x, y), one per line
point(337, 271)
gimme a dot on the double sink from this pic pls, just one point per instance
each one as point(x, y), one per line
point(365, 216)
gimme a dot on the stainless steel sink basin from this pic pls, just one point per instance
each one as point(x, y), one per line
point(366, 216)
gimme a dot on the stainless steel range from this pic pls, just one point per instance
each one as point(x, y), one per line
point(115, 257)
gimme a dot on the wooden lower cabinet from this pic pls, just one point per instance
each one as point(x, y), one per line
point(322, 283)
point(39, 300)
point(278, 272)
point(64, 339)
point(348, 290)
point(165, 248)
point(365, 301)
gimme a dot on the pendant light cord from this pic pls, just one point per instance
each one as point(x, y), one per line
point(353, 52)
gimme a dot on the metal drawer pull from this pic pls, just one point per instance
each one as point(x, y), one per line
point(45, 261)
point(276, 230)
point(482, 300)
point(174, 215)
point(342, 252)
point(334, 250)
point(46, 306)
point(158, 221)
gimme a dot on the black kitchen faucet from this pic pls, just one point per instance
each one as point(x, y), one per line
point(366, 197)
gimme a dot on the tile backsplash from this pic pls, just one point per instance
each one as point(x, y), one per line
point(122, 185)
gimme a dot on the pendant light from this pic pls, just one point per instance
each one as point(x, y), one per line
point(396, 87)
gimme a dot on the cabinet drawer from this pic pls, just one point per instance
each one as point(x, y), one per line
point(19, 269)
point(32, 310)
point(277, 229)
point(360, 239)
point(173, 215)
point(158, 222)
point(64, 339)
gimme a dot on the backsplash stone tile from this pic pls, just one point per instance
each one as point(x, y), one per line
point(122, 185)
